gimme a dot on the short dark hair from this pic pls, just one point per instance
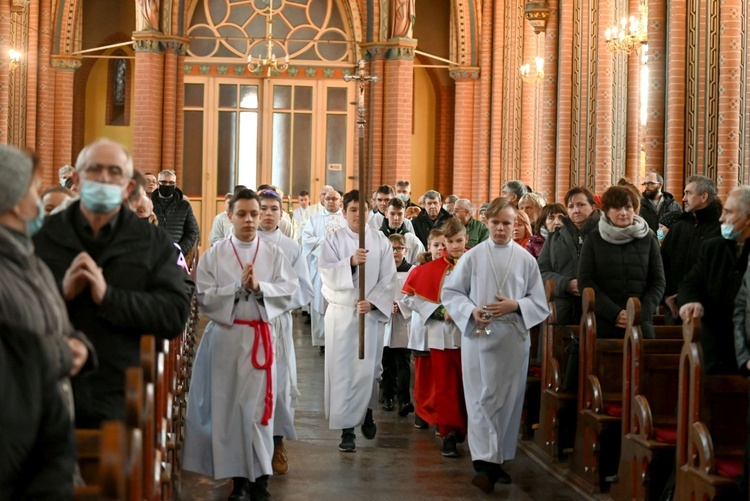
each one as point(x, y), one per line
point(452, 227)
point(517, 188)
point(385, 190)
point(659, 179)
point(397, 203)
point(548, 210)
point(239, 187)
point(580, 190)
point(617, 197)
point(304, 193)
point(244, 194)
point(264, 187)
point(497, 205)
point(397, 238)
point(352, 196)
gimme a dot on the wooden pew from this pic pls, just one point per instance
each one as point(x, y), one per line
point(557, 412)
point(108, 458)
point(649, 402)
point(530, 416)
point(711, 426)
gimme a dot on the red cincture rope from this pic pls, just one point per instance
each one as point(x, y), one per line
point(262, 334)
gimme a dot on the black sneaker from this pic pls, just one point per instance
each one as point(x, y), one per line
point(449, 446)
point(369, 429)
point(347, 440)
point(321, 350)
point(388, 404)
point(420, 423)
point(259, 489)
point(405, 409)
point(240, 489)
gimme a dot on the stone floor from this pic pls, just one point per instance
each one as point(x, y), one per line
point(401, 463)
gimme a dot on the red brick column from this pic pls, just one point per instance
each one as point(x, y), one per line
point(148, 92)
point(398, 88)
point(605, 101)
point(674, 149)
point(45, 139)
point(171, 150)
point(4, 71)
point(375, 95)
point(657, 83)
point(65, 67)
point(548, 127)
point(728, 136)
point(463, 138)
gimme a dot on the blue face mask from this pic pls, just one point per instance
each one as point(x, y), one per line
point(403, 197)
point(100, 197)
point(34, 225)
point(660, 234)
point(727, 231)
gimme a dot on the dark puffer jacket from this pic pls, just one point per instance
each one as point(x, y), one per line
point(177, 219)
point(683, 242)
point(558, 262)
point(423, 225)
point(652, 216)
point(617, 273)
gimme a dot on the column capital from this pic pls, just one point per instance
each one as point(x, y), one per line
point(65, 62)
point(155, 42)
point(395, 48)
point(464, 73)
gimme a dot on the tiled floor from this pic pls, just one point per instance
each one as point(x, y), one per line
point(401, 463)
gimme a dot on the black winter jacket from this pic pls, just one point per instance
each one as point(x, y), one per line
point(617, 273)
point(558, 261)
point(714, 281)
point(683, 242)
point(423, 225)
point(177, 219)
point(148, 292)
point(652, 216)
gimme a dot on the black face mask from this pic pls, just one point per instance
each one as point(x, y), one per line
point(166, 191)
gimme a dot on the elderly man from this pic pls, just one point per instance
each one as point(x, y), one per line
point(476, 232)
point(432, 217)
point(174, 212)
point(65, 172)
point(120, 277)
point(450, 204)
point(699, 222)
point(316, 208)
point(151, 183)
point(655, 203)
point(709, 290)
point(513, 191)
point(316, 230)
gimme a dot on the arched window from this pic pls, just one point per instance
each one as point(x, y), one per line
point(118, 93)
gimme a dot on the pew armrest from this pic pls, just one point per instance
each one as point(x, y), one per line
point(642, 421)
point(593, 396)
point(555, 378)
point(701, 449)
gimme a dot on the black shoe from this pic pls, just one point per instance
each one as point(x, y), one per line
point(308, 319)
point(420, 423)
point(500, 475)
point(482, 481)
point(240, 489)
point(405, 409)
point(369, 429)
point(321, 350)
point(259, 489)
point(347, 440)
point(449, 446)
point(388, 404)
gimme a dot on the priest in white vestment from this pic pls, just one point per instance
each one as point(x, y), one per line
point(287, 392)
point(316, 230)
point(495, 295)
point(242, 284)
point(351, 385)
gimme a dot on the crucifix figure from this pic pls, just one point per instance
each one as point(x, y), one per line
point(363, 78)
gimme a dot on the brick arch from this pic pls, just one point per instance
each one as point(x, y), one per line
point(463, 47)
point(79, 91)
point(67, 27)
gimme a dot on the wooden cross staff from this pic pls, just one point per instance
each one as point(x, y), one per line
point(363, 78)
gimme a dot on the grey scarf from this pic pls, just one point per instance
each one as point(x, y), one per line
point(619, 236)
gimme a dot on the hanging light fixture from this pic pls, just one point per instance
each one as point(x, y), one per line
point(268, 63)
point(538, 73)
point(630, 34)
point(15, 59)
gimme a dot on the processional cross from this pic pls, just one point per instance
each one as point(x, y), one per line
point(363, 78)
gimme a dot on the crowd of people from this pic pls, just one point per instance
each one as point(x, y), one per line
point(451, 289)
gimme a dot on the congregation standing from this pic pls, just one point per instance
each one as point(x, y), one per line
point(452, 288)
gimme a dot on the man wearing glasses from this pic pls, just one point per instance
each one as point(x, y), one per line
point(174, 212)
point(655, 202)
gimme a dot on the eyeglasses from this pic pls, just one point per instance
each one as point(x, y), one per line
point(648, 183)
point(399, 248)
point(167, 183)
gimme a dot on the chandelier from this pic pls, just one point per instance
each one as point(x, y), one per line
point(269, 62)
point(538, 74)
point(630, 34)
point(15, 59)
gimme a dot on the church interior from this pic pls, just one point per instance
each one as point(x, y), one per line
point(470, 94)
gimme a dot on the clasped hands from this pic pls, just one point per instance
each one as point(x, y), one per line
point(83, 272)
point(249, 280)
point(502, 307)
